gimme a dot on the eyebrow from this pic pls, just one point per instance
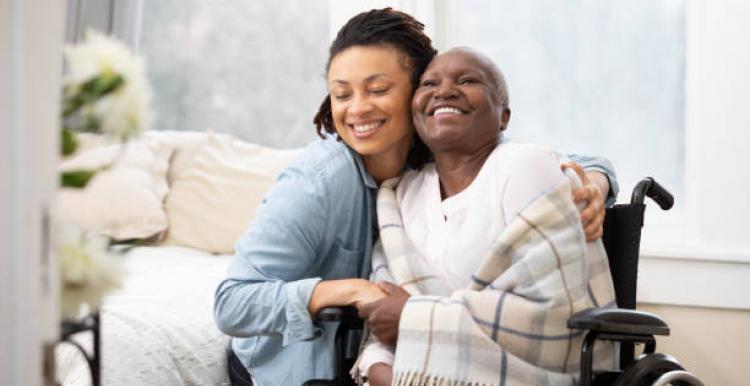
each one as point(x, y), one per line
point(368, 79)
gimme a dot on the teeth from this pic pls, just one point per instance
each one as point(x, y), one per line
point(447, 110)
point(367, 127)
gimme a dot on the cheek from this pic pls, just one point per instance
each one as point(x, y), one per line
point(419, 101)
point(337, 112)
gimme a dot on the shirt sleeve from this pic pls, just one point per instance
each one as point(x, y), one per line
point(531, 171)
point(601, 165)
point(268, 284)
point(375, 352)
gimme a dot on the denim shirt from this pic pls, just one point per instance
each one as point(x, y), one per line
point(316, 223)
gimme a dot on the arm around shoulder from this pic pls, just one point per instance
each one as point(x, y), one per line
point(602, 173)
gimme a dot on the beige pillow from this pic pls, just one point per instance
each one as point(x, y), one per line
point(124, 202)
point(211, 202)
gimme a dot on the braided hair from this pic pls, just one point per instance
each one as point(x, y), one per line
point(391, 28)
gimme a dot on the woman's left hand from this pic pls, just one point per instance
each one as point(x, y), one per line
point(383, 315)
point(592, 215)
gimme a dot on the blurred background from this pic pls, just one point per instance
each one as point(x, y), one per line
point(600, 78)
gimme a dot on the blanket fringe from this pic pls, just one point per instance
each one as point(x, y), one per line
point(412, 378)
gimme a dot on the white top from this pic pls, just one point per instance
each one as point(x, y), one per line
point(455, 234)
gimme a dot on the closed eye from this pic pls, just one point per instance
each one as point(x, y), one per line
point(467, 81)
point(380, 91)
point(428, 83)
point(341, 97)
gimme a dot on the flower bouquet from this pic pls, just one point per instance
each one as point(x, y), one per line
point(104, 92)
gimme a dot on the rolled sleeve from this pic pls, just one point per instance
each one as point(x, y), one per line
point(299, 323)
point(375, 352)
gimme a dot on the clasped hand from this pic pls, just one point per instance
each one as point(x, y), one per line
point(383, 315)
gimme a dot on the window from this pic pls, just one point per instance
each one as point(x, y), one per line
point(598, 78)
point(254, 69)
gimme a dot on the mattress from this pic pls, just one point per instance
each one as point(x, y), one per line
point(158, 329)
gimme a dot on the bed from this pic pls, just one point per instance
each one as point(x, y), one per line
point(185, 198)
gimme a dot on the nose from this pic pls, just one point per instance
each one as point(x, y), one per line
point(360, 105)
point(446, 89)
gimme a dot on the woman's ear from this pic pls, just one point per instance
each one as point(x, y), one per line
point(504, 119)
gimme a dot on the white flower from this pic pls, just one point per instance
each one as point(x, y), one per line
point(125, 112)
point(88, 271)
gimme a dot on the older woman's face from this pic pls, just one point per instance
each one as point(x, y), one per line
point(455, 106)
point(370, 100)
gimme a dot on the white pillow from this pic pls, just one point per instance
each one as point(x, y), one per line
point(211, 202)
point(124, 202)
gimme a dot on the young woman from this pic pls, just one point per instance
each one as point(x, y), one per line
point(314, 231)
point(312, 237)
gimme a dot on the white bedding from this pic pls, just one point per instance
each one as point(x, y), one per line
point(158, 329)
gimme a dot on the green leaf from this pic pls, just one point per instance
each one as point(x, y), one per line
point(68, 142)
point(76, 178)
point(90, 91)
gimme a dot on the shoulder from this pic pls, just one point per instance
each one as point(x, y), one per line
point(526, 155)
point(325, 163)
point(324, 157)
point(527, 167)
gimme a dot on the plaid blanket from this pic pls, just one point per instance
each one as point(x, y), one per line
point(509, 326)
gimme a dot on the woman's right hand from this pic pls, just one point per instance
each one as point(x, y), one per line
point(367, 292)
point(380, 374)
point(344, 292)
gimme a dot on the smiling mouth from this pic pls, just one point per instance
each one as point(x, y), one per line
point(366, 128)
point(447, 110)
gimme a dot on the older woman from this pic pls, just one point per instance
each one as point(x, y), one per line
point(480, 289)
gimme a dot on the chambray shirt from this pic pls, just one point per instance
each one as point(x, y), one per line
point(316, 223)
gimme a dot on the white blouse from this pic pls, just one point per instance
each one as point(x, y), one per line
point(455, 234)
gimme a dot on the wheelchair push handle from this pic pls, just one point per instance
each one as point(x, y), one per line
point(647, 187)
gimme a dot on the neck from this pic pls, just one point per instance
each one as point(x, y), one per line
point(457, 170)
point(384, 166)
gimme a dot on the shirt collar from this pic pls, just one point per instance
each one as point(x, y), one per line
point(366, 177)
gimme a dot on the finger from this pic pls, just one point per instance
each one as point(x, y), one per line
point(576, 168)
point(387, 287)
point(594, 233)
point(584, 193)
point(589, 214)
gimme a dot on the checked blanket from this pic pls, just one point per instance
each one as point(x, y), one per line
point(509, 326)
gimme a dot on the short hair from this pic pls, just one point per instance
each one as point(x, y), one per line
point(498, 79)
point(390, 28)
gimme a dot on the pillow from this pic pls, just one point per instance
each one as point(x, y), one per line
point(186, 145)
point(124, 202)
point(211, 202)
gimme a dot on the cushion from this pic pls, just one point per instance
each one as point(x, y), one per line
point(124, 202)
point(212, 201)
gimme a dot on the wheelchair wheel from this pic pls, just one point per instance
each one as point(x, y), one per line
point(678, 377)
point(647, 369)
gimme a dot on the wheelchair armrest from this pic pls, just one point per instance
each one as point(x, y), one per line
point(346, 315)
point(618, 321)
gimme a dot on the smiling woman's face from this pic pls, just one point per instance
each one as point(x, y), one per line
point(370, 101)
point(456, 105)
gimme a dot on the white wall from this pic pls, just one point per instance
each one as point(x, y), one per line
point(714, 344)
point(31, 33)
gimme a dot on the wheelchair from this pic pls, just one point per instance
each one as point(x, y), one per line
point(624, 325)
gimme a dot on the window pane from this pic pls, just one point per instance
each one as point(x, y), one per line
point(254, 69)
point(592, 77)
